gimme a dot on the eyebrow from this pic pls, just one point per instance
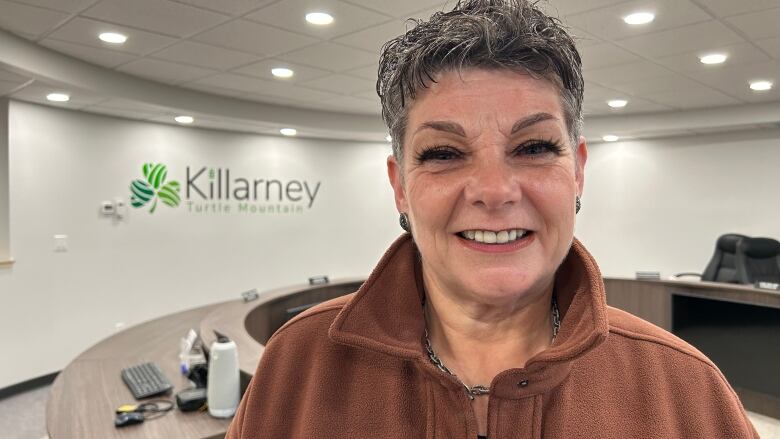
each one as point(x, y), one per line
point(454, 128)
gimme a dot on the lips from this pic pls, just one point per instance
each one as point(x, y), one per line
point(494, 237)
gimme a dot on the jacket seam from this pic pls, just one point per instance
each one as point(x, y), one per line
point(303, 317)
point(658, 341)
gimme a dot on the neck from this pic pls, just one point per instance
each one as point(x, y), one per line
point(477, 341)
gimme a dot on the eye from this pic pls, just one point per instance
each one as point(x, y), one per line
point(538, 147)
point(438, 154)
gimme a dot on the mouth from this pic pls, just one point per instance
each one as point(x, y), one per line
point(491, 237)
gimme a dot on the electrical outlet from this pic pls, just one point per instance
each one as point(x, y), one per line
point(60, 243)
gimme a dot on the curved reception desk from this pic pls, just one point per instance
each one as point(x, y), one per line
point(86, 393)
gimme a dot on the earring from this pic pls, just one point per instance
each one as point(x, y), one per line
point(403, 220)
point(578, 205)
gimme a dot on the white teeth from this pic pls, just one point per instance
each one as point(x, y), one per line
point(490, 237)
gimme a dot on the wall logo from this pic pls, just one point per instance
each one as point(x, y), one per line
point(211, 190)
point(154, 188)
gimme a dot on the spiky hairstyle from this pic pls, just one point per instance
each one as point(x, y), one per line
point(492, 34)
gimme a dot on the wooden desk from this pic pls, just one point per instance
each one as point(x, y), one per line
point(652, 301)
point(86, 393)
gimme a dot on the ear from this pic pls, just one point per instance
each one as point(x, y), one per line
point(396, 181)
point(581, 156)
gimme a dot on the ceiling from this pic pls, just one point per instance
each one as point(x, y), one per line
point(227, 48)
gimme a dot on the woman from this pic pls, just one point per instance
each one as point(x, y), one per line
point(488, 318)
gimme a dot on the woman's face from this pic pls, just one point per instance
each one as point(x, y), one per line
point(489, 180)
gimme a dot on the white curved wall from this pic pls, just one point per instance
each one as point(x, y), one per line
point(54, 305)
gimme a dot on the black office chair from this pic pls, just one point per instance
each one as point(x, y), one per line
point(723, 265)
point(758, 260)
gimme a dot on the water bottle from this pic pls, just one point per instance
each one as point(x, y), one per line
point(223, 391)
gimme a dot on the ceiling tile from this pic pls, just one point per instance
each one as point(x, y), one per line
point(251, 37)
point(403, 8)
point(625, 72)
point(758, 25)
point(725, 8)
point(204, 55)
point(695, 37)
point(694, 97)
point(563, 8)
point(645, 87)
point(605, 55)
point(164, 71)
point(369, 95)
point(37, 92)
point(771, 46)
point(70, 6)
point(742, 53)
point(213, 89)
point(85, 31)
point(262, 69)
point(349, 104)
point(373, 38)
point(161, 16)
point(277, 89)
point(341, 84)
point(290, 14)
point(608, 22)
point(367, 72)
point(95, 55)
point(231, 7)
point(334, 57)
point(8, 86)
point(29, 20)
point(734, 80)
point(130, 105)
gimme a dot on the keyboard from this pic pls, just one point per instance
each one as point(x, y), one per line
point(145, 380)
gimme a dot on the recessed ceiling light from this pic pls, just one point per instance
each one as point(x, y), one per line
point(617, 103)
point(761, 85)
point(58, 97)
point(184, 119)
point(389, 138)
point(282, 72)
point(288, 131)
point(611, 138)
point(112, 37)
point(639, 18)
point(714, 58)
point(319, 18)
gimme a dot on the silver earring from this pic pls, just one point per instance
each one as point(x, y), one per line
point(403, 220)
point(578, 205)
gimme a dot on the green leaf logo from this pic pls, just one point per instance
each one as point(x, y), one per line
point(154, 188)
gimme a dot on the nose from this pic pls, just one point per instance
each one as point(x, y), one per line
point(492, 185)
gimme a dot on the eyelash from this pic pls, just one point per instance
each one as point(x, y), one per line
point(439, 152)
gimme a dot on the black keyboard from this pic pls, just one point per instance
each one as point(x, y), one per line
point(146, 380)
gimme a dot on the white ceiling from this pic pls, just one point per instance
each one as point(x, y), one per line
point(228, 47)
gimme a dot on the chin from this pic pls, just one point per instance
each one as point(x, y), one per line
point(502, 286)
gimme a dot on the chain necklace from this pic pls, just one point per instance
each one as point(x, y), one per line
point(479, 390)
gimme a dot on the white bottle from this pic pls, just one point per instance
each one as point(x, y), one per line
point(223, 391)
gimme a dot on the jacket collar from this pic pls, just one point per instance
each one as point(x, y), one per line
point(386, 313)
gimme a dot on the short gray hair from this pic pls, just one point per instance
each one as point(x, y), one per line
point(493, 34)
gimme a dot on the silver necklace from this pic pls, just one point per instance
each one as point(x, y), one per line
point(479, 390)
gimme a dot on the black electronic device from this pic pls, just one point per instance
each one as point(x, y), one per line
point(189, 400)
point(145, 380)
point(130, 418)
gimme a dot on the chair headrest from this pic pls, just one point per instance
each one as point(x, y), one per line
point(759, 248)
point(728, 242)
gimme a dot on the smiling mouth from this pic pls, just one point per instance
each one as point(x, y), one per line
point(491, 237)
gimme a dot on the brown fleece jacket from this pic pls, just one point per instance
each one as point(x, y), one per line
point(355, 367)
